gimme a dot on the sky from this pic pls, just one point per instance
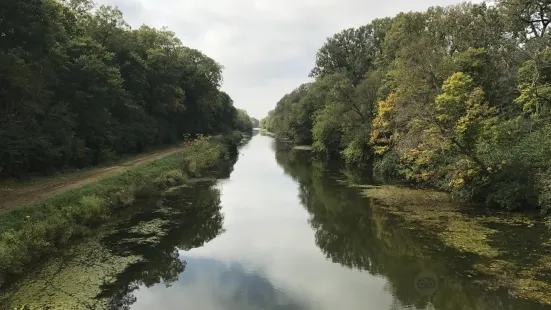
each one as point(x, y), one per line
point(267, 47)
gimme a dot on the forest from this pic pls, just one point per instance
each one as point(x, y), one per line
point(456, 98)
point(79, 87)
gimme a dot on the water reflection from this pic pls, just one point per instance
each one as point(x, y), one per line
point(358, 233)
point(188, 218)
point(212, 284)
point(272, 233)
point(267, 257)
point(140, 250)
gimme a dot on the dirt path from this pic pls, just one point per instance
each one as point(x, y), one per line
point(11, 198)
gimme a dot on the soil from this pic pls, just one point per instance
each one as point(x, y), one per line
point(18, 196)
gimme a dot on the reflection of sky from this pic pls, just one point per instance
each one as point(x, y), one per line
point(267, 258)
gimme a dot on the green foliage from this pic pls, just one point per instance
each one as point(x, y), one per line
point(386, 168)
point(80, 87)
point(29, 233)
point(520, 157)
point(326, 131)
point(528, 18)
point(255, 122)
point(200, 154)
point(243, 121)
point(535, 85)
point(352, 52)
point(455, 97)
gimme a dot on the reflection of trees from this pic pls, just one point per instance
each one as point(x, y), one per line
point(358, 233)
point(140, 249)
point(185, 219)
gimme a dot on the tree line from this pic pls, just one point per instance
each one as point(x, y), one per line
point(78, 87)
point(457, 98)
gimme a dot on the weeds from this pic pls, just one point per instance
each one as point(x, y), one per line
point(32, 232)
point(200, 154)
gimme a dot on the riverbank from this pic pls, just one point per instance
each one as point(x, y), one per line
point(14, 194)
point(502, 250)
point(32, 232)
point(265, 223)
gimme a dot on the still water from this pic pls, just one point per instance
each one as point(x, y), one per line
point(275, 231)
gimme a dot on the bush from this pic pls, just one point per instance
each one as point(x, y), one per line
point(386, 168)
point(232, 141)
point(171, 178)
point(29, 233)
point(358, 152)
point(200, 154)
point(517, 164)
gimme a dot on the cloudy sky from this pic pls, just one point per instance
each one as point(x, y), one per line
point(267, 47)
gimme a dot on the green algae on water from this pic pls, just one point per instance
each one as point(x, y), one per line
point(514, 249)
point(71, 281)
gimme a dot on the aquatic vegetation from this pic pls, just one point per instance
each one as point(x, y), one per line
point(468, 236)
point(139, 247)
point(404, 197)
point(29, 233)
point(72, 281)
point(488, 236)
point(303, 147)
point(524, 281)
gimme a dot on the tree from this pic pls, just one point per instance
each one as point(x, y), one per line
point(532, 15)
point(452, 97)
point(78, 87)
point(352, 52)
point(535, 85)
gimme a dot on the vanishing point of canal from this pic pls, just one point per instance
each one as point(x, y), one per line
point(276, 230)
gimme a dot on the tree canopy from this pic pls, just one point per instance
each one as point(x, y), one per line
point(456, 98)
point(78, 86)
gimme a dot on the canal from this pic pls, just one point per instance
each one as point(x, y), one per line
point(275, 230)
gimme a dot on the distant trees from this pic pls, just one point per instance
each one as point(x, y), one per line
point(255, 122)
point(455, 97)
point(243, 121)
point(78, 87)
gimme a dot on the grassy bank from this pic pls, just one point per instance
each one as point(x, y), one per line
point(34, 231)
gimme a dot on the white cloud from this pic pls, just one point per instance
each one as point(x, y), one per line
point(267, 47)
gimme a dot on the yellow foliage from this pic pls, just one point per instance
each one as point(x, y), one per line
point(461, 118)
point(462, 172)
point(382, 131)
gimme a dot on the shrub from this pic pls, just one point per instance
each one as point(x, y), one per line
point(29, 233)
point(386, 168)
point(358, 152)
point(200, 154)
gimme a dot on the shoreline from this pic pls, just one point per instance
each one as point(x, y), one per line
point(32, 232)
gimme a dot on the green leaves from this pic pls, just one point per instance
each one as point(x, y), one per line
point(535, 85)
point(351, 52)
point(453, 100)
point(438, 97)
point(79, 87)
point(527, 17)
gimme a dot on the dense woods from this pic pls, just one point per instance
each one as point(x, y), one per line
point(457, 98)
point(78, 86)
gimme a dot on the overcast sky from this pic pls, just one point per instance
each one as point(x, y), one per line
point(267, 47)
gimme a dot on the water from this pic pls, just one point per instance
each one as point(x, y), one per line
point(276, 231)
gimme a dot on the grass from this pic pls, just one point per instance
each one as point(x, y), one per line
point(30, 233)
point(11, 183)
